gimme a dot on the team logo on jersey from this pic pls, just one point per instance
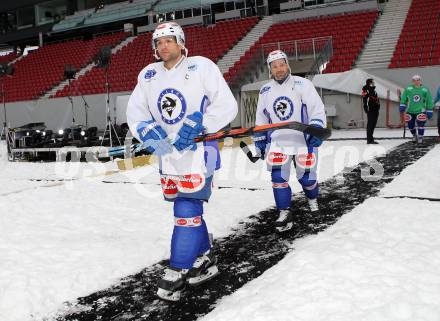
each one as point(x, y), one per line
point(283, 107)
point(407, 117)
point(422, 117)
point(192, 67)
point(172, 105)
point(149, 74)
point(416, 98)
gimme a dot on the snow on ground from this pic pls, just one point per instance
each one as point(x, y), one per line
point(379, 133)
point(379, 262)
point(421, 179)
point(63, 239)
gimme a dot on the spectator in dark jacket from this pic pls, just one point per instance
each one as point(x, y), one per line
point(371, 106)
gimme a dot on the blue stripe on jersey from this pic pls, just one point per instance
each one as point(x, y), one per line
point(265, 112)
point(204, 104)
point(304, 117)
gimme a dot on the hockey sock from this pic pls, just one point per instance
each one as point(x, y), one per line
point(421, 128)
point(189, 232)
point(310, 186)
point(281, 190)
point(411, 125)
point(205, 244)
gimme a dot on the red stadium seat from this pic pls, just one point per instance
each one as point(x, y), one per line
point(416, 43)
point(43, 69)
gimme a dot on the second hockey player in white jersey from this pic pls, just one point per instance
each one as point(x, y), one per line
point(174, 101)
point(289, 98)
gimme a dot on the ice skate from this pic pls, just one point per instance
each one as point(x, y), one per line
point(204, 269)
point(172, 284)
point(313, 205)
point(284, 221)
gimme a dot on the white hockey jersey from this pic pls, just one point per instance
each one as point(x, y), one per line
point(168, 96)
point(296, 99)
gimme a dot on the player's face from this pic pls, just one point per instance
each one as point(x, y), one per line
point(417, 82)
point(168, 49)
point(279, 69)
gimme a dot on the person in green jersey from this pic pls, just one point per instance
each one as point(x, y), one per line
point(416, 101)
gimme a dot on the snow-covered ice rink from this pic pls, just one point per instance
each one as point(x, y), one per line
point(69, 229)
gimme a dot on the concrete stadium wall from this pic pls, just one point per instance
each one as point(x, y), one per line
point(57, 113)
point(430, 76)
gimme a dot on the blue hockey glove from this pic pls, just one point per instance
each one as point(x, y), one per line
point(192, 127)
point(153, 138)
point(402, 108)
point(429, 114)
point(260, 141)
point(314, 141)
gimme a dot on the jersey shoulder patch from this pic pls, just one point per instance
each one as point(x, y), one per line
point(149, 73)
point(264, 90)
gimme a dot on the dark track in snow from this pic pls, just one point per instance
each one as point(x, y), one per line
point(244, 255)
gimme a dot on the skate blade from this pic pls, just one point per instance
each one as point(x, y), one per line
point(168, 295)
point(288, 227)
point(211, 272)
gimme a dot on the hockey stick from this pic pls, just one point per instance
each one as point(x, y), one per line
point(404, 127)
point(245, 148)
point(321, 133)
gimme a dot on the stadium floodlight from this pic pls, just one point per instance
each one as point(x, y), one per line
point(60, 132)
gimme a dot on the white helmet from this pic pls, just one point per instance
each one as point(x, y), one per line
point(168, 29)
point(275, 55)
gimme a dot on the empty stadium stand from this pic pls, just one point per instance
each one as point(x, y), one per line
point(346, 45)
point(44, 68)
point(8, 58)
point(419, 41)
point(212, 42)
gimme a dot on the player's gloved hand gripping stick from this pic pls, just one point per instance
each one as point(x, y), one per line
point(321, 133)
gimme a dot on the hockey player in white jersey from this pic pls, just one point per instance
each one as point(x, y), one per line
point(175, 100)
point(289, 98)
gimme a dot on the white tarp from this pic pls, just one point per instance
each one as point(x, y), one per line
point(352, 82)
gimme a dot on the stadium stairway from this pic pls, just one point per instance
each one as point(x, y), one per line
point(83, 71)
point(233, 55)
point(379, 49)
